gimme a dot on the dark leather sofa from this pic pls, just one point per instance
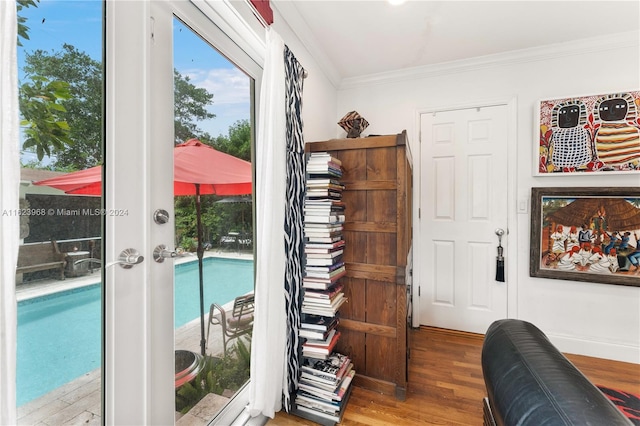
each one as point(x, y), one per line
point(530, 383)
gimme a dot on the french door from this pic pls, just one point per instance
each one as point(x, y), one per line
point(139, 300)
point(138, 316)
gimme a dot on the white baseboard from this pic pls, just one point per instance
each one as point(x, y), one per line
point(597, 349)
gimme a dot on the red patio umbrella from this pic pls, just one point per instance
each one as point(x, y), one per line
point(199, 169)
point(193, 162)
point(216, 172)
point(83, 182)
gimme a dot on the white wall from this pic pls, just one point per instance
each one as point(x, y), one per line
point(592, 319)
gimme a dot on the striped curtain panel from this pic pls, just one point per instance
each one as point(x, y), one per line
point(294, 77)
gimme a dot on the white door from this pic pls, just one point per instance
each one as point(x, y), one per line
point(463, 202)
point(139, 137)
point(139, 356)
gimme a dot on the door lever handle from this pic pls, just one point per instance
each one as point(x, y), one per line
point(127, 259)
point(160, 253)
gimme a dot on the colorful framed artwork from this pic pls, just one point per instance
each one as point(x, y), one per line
point(586, 234)
point(588, 134)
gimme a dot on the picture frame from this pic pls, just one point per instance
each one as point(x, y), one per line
point(588, 134)
point(603, 223)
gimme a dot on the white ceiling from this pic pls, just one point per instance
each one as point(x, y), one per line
point(360, 38)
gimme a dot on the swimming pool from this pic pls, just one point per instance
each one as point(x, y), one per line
point(59, 334)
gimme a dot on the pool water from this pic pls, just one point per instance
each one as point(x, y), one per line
point(224, 280)
point(59, 335)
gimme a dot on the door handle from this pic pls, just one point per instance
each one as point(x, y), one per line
point(500, 257)
point(127, 259)
point(160, 253)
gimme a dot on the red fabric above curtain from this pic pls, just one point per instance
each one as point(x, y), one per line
point(264, 9)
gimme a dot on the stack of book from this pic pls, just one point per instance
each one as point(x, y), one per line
point(323, 219)
point(324, 386)
point(323, 302)
point(326, 375)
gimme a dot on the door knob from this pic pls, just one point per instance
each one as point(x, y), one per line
point(161, 216)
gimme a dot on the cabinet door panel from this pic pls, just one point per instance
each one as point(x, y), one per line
point(355, 239)
point(380, 357)
point(381, 303)
point(356, 202)
point(352, 343)
point(382, 248)
point(382, 206)
point(381, 164)
point(354, 291)
point(354, 164)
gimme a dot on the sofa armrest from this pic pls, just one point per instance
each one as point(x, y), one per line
point(529, 382)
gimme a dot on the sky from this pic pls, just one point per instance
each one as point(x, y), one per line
point(79, 23)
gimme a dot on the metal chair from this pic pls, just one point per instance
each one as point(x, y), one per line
point(236, 322)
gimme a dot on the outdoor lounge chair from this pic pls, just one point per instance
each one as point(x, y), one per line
point(236, 322)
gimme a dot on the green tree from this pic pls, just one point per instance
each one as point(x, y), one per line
point(83, 108)
point(218, 219)
point(43, 115)
point(23, 29)
point(190, 106)
point(41, 103)
point(238, 142)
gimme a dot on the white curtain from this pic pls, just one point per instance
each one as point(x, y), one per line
point(9, 221)
point(269, 329)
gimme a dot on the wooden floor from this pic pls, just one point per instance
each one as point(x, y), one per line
point(446, 385)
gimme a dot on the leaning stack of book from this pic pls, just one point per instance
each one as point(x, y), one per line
point(325, 386)
point(326, 375)
point(324, 264)
point(320, 348)
point(319, 320)
point(325, 303)
point(323, 165)
point(317, 327)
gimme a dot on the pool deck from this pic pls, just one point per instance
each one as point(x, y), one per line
point(80, 401)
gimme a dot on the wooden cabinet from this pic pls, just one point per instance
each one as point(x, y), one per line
point(377, 231)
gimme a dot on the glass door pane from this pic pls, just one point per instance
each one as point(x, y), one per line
point(58, 284)
point(213, 101)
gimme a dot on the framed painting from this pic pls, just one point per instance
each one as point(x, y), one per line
point(588, 134)
point(586, 234)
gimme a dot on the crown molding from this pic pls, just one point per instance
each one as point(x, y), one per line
point(299, 27)
point(542, 53)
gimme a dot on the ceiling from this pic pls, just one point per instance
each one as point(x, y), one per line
point(361, 38)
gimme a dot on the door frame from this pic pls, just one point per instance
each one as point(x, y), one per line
point(511, 263)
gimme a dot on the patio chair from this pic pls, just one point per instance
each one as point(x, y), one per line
point(231, 241)
point(236, 322)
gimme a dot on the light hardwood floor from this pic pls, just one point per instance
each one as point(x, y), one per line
point(446, 385)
